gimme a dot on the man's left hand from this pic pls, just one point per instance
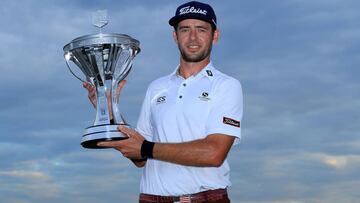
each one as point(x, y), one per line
point(131, 147)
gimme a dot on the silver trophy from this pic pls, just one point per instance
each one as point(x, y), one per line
point(104, 60)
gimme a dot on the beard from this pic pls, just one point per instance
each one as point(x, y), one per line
point(195, 57)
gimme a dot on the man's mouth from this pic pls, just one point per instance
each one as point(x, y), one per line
point(193, 47)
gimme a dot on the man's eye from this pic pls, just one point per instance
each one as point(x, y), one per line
point(202, 30)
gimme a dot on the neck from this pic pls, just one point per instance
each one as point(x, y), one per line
point(188, 69)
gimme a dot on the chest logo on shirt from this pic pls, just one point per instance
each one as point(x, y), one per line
point(231, 121)
point(209, 73)
point(204, 96)
point(161, 99)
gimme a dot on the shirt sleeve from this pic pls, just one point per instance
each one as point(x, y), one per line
point(144, 126)
point(226, 109)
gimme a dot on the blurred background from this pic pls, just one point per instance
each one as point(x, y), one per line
point(297, 61)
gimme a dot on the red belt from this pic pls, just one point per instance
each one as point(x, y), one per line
point(206, 196)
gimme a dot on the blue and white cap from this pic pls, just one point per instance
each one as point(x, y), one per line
point(194, 10)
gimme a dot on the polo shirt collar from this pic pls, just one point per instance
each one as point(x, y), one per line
point(208, 71)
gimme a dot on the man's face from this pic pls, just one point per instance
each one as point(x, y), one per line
point(195, 38)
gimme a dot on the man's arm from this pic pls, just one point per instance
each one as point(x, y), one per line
point(210, 151)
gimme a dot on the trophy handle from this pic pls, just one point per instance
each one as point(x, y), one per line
point(72, 72)
point(68, 57)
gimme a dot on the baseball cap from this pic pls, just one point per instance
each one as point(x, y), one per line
point(194, 10)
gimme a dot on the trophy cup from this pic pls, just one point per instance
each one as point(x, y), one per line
point(104, 60)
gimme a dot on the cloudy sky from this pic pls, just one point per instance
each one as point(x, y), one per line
point(298, 62)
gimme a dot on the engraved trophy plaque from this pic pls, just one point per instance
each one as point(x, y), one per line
point(104, 60)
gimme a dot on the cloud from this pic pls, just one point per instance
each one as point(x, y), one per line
point(28, 175)
point(339, 162)
point(31, 184)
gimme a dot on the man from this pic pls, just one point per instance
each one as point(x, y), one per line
point(189, 119)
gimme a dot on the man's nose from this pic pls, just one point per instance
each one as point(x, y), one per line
point(193, 34)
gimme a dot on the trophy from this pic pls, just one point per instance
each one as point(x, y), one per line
point(104, 60)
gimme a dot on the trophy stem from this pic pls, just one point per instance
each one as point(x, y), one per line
point(102, 111)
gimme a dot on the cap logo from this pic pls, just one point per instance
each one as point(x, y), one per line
point(188, 9)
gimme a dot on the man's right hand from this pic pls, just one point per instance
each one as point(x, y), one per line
point(91, 92)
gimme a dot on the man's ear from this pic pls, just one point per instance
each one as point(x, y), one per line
point(216, 36)
point(175, 36)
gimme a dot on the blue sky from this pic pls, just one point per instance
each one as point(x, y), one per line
point(296, 59)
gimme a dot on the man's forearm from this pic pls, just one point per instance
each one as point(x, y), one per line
point(210, 151)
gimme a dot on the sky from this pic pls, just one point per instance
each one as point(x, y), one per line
point(297, 60)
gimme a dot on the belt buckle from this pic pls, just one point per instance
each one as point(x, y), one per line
point(185, 198)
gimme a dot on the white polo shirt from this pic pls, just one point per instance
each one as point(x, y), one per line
point(179, 110)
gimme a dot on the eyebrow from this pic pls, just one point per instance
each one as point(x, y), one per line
point(196, 26)
point(183, 26)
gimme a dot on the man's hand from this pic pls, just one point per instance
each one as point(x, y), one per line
point(131, 147)
point(91, 92)
point(93, 98)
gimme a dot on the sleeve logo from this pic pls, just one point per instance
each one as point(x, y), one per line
point(232, 122)
point(160, 100)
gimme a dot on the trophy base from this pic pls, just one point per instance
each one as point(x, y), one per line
point(99, 133)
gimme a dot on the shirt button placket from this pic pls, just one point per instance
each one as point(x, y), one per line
point(181, 91)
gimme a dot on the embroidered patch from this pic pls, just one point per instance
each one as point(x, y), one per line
point(232, 122)
point(160, 100)
point(188, 9)
point(204, 96)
